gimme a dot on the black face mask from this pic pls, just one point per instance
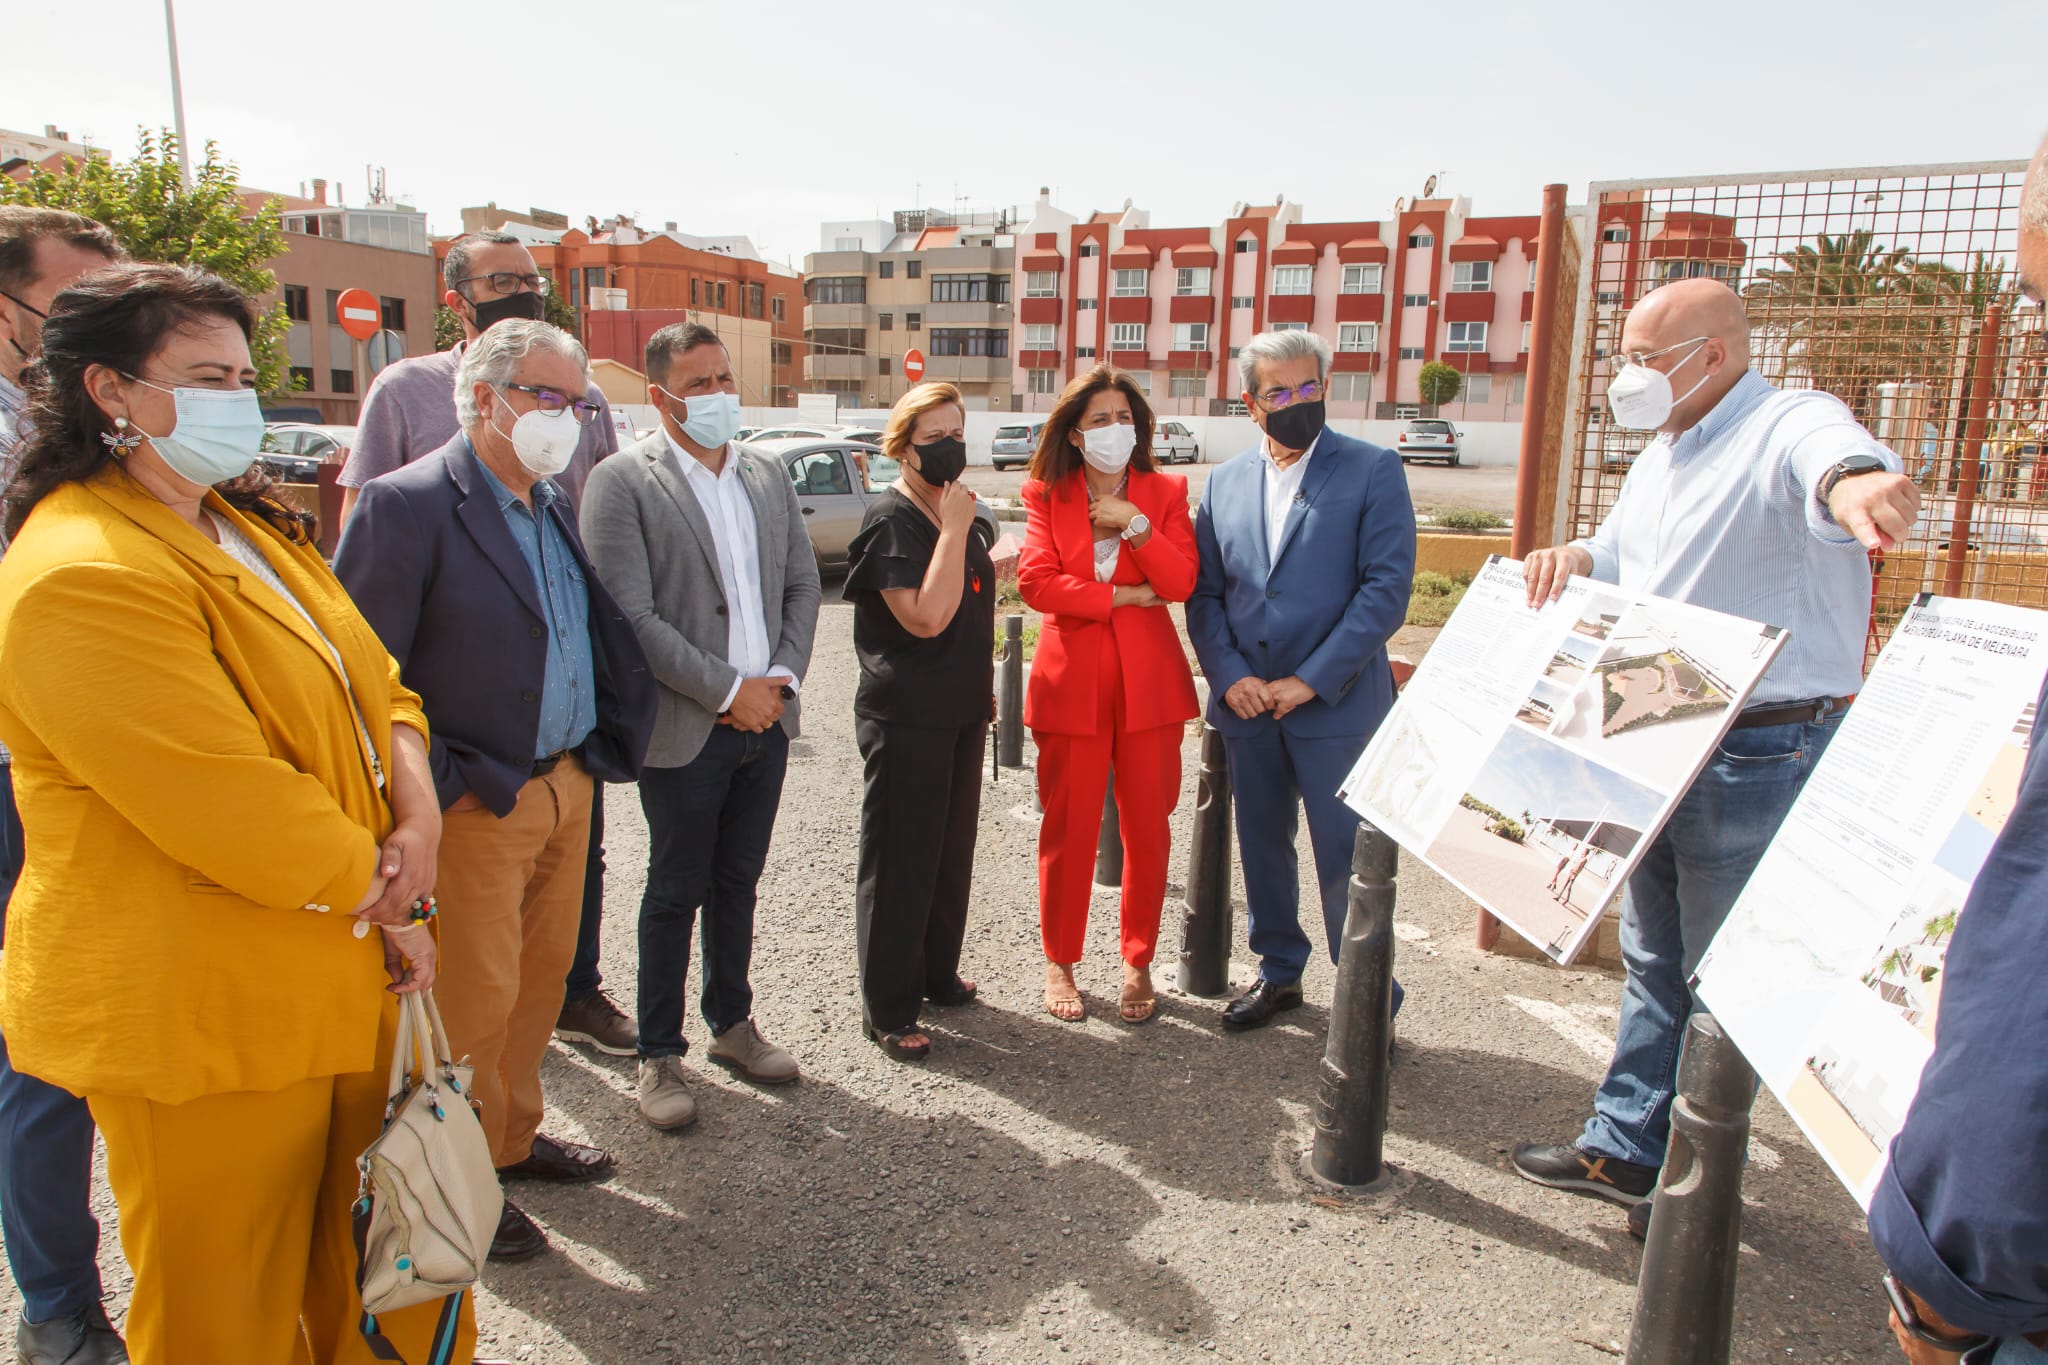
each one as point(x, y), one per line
point(1297, 425)
point(941, 461)
point(533, 307)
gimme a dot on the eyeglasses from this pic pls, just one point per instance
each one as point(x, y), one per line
point(554, 401)
point(1643, 358)
point(511, 282)
point(24, 303)
point(1275, 399)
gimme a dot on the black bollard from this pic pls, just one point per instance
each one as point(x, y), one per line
point(1351, 1103)
point(1109, 845)
point(1205, 921)
point(1685, 1295)
point(1010, 695)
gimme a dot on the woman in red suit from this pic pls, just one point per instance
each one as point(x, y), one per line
point(1108, 545)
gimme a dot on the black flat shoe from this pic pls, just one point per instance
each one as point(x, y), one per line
point(960, 993)
point(518, 1237)
point(893, 1044)
point(1257, 1006)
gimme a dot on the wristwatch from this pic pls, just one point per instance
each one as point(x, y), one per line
point(1847, 468)
point(1904, 1305)
point(1140, 524)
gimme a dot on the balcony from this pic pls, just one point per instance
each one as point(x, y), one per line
point(1290, 308)
point(1040, 360)
point(1468, 362)
point(1355, 362)
point(1192, 308)
point(1469, 307)
point(1130, 310)
point(1041, 310)
point(1190, 360)
point(1361, 307)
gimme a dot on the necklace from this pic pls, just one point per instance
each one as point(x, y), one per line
point(1116, 492)
point(922, 500)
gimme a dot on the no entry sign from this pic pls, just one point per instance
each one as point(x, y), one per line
point(357, 312)
point(913, 365)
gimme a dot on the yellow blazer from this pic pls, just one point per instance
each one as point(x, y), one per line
point(194, 796)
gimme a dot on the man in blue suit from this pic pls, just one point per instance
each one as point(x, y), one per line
point(1307, 547)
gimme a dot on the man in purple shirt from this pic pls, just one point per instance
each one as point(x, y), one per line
point(409, 413)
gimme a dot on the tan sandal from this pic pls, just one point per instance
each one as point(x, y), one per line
point(1063, 1002)
point(1137, 1009)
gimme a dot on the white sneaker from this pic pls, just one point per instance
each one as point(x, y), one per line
point(664, 1100)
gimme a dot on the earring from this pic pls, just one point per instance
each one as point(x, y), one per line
point(123, 443)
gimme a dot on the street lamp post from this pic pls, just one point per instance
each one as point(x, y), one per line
point(178, 97)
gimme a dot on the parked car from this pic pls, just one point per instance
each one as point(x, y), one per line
point(1013, 444)
point(294, 451)
point(1173, 443)
point(865, 435)
point(1428, 438)
point(834, 493)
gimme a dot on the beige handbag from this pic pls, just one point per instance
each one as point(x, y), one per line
point(429, 1200)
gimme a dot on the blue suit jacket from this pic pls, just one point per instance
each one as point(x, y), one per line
point(434, 569)
point(1320, 605)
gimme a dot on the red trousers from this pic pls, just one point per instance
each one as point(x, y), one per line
point(1072, 771)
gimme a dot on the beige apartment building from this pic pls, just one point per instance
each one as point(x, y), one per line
point(929, 281)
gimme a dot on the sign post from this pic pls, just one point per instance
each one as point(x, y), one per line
point(356, 313)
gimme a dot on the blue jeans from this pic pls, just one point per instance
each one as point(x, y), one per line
point(53, 1240)
point(708, 827)
point(2019, 1351)
point(584, 978)
point(1270, 772)
point(1671, 909)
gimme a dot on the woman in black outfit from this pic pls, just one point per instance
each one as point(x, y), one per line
point(923, 589)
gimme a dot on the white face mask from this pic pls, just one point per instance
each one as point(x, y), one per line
point(1108, 449)
point(545, 442)
point(1640, 398)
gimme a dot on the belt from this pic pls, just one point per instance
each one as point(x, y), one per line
point(1793, 712)
point(543, 766)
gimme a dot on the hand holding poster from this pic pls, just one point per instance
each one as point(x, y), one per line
point(1829, 970)
point(1536, 752)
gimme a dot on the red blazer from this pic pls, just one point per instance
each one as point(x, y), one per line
point(1056, 575)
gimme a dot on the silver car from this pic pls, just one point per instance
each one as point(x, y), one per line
point(1013, 444)
point(835, 481)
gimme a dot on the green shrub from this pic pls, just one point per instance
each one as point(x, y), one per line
point(1469, 519)
point(1030, 639)
point(1435, 596)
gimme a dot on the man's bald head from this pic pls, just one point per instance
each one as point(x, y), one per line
point(1700, 310)
point(2033, 249)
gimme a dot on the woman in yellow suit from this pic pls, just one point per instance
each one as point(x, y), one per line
point(223, 787)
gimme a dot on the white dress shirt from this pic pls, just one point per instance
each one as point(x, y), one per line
point(1725, 516)
point(1283, 486)
point(735, 537)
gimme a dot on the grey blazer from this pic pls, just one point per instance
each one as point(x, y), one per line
point(651, 544)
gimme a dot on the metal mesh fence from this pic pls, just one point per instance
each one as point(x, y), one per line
point(1892, 288)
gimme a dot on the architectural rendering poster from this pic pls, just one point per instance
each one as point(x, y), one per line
point(1828, 972)
point(1535, 753)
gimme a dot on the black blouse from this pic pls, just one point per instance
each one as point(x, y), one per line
point(941, 682)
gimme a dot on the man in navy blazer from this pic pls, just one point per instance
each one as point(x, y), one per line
point(1307, 547)
point(469, 567)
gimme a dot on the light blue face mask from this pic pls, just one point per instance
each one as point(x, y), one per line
point(217, 434)
point(713, 418)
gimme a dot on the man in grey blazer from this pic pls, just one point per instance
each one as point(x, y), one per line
point(702, 544)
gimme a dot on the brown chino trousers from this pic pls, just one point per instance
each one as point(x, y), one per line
point(511, 893)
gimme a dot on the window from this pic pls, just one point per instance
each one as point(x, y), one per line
point(882, 365)
point(1518, 390)
point(1191, 280)
point(1614, 232)
point(778, 353)
point(1143, 380)
point(1415, 300)
point(1292, 279)
point(970, 289)
point(594, 278)
point(775, 308)
point(1130, 284)
point(1038, 336)
point(391, 314)
point(1362, 279)
point(1243, 301)
point(1358, 336)
point(1530, 283)
point(1041, 381)
point(838, 340)
point(1663, 272)
point(885, 322)
point(1041, 284)
point(885, 270)
point(983, 341)
point(1406, 412)
point(1127, 336)
point(1478, 388)
point(1084, 353)
point(1091, 249)
point(1351, 388)
point(1191, 336)
point(1184, 384)
point(298, 303)
point(720, 304)
point(1608, 298)
point(1236, 408)
point(913, 322)
point(1411, 353)
point(755, 295)
point(1467, 336)
point(1085, 304)
point(302, 377)
point(342, 381)
point(822, 474)
point(1525, 336)
point(1236, 351)
point(824, 289)
point(1471, 277)
point(913, 270)
point(1290, 327)
point(1421, 239)
point(693, 292)
point(1244, 244)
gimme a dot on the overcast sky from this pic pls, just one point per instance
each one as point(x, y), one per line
point(766, 118)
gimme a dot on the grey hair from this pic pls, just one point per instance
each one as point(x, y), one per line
point(456, 268)
point(1280, 346)
point(494, 357)
point(2034, 198)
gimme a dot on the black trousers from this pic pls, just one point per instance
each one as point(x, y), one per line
point(920, 809)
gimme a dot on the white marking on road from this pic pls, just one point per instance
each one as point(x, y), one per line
point(1409, 933)
point(1573, 1029)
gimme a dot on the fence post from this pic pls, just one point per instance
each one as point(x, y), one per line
point(1685, 1294)
point(1351, 1102)
point(1109, 845)
point(1976, 426)
point(1205, 923)
point(1010, 695)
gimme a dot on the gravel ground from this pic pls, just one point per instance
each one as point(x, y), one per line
point(1435, 489)
point(1050, 1192)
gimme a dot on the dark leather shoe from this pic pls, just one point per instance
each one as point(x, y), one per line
point(81, 1338)
point(518, 1237)
point(565, 1163)
point(1257, 1006)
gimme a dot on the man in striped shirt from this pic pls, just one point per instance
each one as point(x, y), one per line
point(1763, 503)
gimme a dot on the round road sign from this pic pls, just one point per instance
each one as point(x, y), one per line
point(357, 312)
point(913, 365)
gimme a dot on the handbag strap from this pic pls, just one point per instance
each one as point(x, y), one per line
point(442, 1351)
